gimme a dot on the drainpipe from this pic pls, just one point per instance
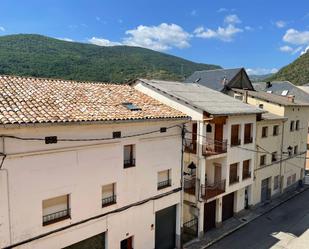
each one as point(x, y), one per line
point(281, 157)
point(183, 133)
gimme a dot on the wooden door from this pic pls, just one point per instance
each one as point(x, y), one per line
point(218, 137)
point(194, 137)
point(218, 173)
point(227, 206)
point(209, 215)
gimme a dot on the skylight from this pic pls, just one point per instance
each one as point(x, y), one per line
point(284, 92)
point(131, 106)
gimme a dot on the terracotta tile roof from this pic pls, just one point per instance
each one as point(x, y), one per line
point(37, 100)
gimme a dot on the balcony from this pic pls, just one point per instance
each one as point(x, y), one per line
point(214, 148)
point(190, 146)
point(57, 216)
point(209, 191)
point(189, 186)
point(246, 175)
point(127, 163)
point(248, 140)
point(234, 179)
point(109, 201)
point(164, 184)
point(235, 142)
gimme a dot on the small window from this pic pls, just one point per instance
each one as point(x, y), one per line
point(235, 140)
point(248, 134)
point(261, 106)
point(285, 92)
point(292, 125)
point(295, 150)
point(276, 130)
point(117, 134)
point(297, 125)
point(56, 209)
point(129, 156)
point(290, 151)
point(264, 131)
point(274, 156)
point(276, 182)
point(262, 160)
point(246, 169)
point(131, 106)
point(108, 194)
point(234, 178)
point(209, 128)
point(164, 180)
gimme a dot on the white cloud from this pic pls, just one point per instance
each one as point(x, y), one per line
point(306, 50)
point(296, 37)
point(286, 48)
point(103, 42)
point(232, 19)
point(222, 33)
point(161, 38)
point(65, 39)
point(261, 71)
point(280, 24)
point(193, 13)
point(249, 28)
point(2, 28)
point(222, 10)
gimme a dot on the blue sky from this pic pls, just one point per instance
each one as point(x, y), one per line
point(261, 36)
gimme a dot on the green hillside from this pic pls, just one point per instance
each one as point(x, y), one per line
point(40, 56)
point(297, 72)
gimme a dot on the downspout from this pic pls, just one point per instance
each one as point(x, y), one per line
point(281, 157)
point(182, 183)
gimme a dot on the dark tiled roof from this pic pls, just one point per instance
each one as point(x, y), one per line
point(36, 100)
point(213, 79)
point(277, 87)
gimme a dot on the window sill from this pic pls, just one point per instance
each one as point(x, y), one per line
point(163, 187)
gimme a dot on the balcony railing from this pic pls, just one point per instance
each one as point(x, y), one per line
point(248, 140)
point(127, 163)
point(189, 186)
point(234, 179)
point(164, 184)
point(235, 142)
point(190, 146)
point(190, 230)
point(214, 148)
point(246, 175)
point(109, 200)
point(209, 191)
point(57, 216)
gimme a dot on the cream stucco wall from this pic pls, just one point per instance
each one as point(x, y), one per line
point(34, 171)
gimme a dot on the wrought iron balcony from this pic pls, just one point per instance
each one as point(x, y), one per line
point(189, 185)
point(57, 216)
point(246, 175)
point(209, 191)
point(190, 146)
point(190, 229)
point(248, 140)
point(164, 184)
point(214, 148)
point(109, 200)
point(235, 142)
point(127, 163)
point(234, 179)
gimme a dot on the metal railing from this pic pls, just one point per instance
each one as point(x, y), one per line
point(190, 146)
point(190, 230)
point(127, 163)
point(235, 142)
point(214, 147)
point(246, 175)
point(109, 200)
point(189, 185)
point(164, 184)
point(57, 216)
point(209, 191)
point(234, 179)
point(248, 140)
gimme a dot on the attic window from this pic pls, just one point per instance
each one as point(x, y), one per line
point(285, 92)
point(131, 106)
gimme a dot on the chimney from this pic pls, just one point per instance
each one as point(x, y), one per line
point(291, 98)
point(245, 98)
point(268, 84)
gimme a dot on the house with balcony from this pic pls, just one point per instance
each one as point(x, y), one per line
point(218, 145)
point(87, 165)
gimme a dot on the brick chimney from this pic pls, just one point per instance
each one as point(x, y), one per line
point(291, 98)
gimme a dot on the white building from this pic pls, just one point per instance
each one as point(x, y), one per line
point(97, 163)
point(219, 146)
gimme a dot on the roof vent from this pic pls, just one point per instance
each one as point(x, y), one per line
point(131, 106)
point(285, 92)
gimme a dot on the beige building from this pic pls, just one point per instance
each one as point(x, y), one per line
point(292, 154)
point(87, 164)
point(218, 159)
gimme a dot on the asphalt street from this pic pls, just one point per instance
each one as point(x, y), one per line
point(285, 227)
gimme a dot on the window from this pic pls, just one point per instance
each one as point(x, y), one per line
point(130, 106)
point(295, 150)
point(276, 182)
point(292, 125)
point(274, 156)
point(248, 134)
point(246, 169)
point(233, 173)
point(129, 156)
point(289, 181)
point(127, 243)
point(285, 92)
point(264, 131)
point(235, 135)
point(276, 130)
point(164, 179)
point(108, 194)
point(290, 151)
point(297, 125)
point(208, 128)
point(262, 160)
point(56, 209)
point(261, 106)
point(293, 178)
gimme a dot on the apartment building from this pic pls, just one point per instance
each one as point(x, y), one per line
point(87, 165)
point(294, 137)
point(218, 159)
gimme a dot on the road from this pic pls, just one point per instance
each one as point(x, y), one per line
point(285, 227)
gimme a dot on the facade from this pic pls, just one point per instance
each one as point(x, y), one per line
point(89, 169)
point(294, 137)
point(218, 159)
